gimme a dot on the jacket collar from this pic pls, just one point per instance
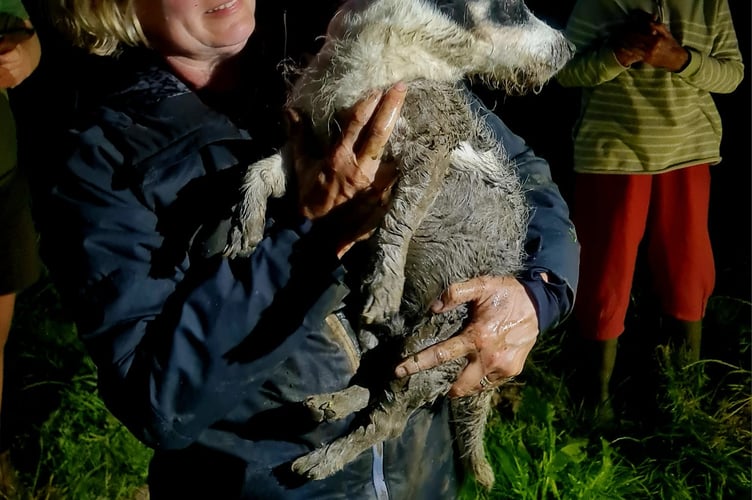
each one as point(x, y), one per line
point(160, 119)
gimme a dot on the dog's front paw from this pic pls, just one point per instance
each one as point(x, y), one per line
point(242, 240)
point(264, 179)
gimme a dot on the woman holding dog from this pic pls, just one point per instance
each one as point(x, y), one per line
point(204, 358)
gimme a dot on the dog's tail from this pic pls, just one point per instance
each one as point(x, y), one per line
point(469, 415)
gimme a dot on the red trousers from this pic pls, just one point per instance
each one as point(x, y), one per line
point(612, 213)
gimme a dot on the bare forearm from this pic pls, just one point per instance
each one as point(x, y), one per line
point(18, 60)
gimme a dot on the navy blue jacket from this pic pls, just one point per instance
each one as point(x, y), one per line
point(206, 359)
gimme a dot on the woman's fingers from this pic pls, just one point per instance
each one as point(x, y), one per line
point(502, 330)
point(454, 348)
point(460, 293)
point(381, 125)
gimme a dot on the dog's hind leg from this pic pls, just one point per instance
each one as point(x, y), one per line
point(337, 405)
point(386, 421)
point(469, 416)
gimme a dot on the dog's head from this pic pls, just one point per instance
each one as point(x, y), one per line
point(375, 43)
point(500, 41)
point(513, 47)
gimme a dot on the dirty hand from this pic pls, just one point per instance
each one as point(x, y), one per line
point(664, 50)
point(652, 44)
point(502, 330)
point(630, 47)
point(349, 188)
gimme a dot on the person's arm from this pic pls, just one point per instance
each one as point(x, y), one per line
point(178, 346)
point(175, 350)
point(721, 70)
point(595, 61)
point(19, 57)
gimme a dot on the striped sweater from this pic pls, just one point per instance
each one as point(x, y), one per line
point(644, 119)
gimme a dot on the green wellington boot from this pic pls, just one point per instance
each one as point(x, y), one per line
point(685, 339)
point(600, 359)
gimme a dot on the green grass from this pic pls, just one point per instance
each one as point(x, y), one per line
point(682, 433)
point(685, 435)
point(66, 445)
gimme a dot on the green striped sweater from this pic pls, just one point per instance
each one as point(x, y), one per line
point(644, 119)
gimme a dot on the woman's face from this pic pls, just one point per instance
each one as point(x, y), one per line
point(197, 29)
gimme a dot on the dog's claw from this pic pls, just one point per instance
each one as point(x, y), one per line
point(314, 465)
point(242, 242)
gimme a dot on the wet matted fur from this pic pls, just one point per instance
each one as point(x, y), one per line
point(458, 209)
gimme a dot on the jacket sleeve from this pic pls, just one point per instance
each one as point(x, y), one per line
point(551, 243)
point(175, 350)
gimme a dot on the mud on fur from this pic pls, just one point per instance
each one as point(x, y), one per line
point(458, 210)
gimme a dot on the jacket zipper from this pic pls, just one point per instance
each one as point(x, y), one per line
point(341, 336)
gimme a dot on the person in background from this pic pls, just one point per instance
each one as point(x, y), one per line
point(20, 266)
point(647, 134)
point(204, 358)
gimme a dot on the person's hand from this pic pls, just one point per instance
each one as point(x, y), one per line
point(350, 186)
point(664, 50)
point(649, 42)
point(502, 330)
point(18, 59)
point(630, 46)
point(628, 55)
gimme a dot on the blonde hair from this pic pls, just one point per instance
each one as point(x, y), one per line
point(102, 27)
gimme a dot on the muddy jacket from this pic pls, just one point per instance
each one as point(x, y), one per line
point(206, 359)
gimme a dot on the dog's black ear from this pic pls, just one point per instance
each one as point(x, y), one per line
point(501, 12)
point(455, 10)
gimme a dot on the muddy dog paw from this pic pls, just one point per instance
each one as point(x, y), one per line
point(337, 405)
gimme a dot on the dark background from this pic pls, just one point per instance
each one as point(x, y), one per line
point(67, 79)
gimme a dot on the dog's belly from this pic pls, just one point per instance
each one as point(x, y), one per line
point(473, 228)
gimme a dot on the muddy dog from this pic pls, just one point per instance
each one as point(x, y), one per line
point(458, 210)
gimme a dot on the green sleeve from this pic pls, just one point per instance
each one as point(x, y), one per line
point(14, 8)
point(595, 62)
point(12, 14)
point(721, 70)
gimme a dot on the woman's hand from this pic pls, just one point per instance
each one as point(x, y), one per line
point(349, 188)
point(503, 329)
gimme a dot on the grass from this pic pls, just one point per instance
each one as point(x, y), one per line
point(65, 444)
point(681, 434)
